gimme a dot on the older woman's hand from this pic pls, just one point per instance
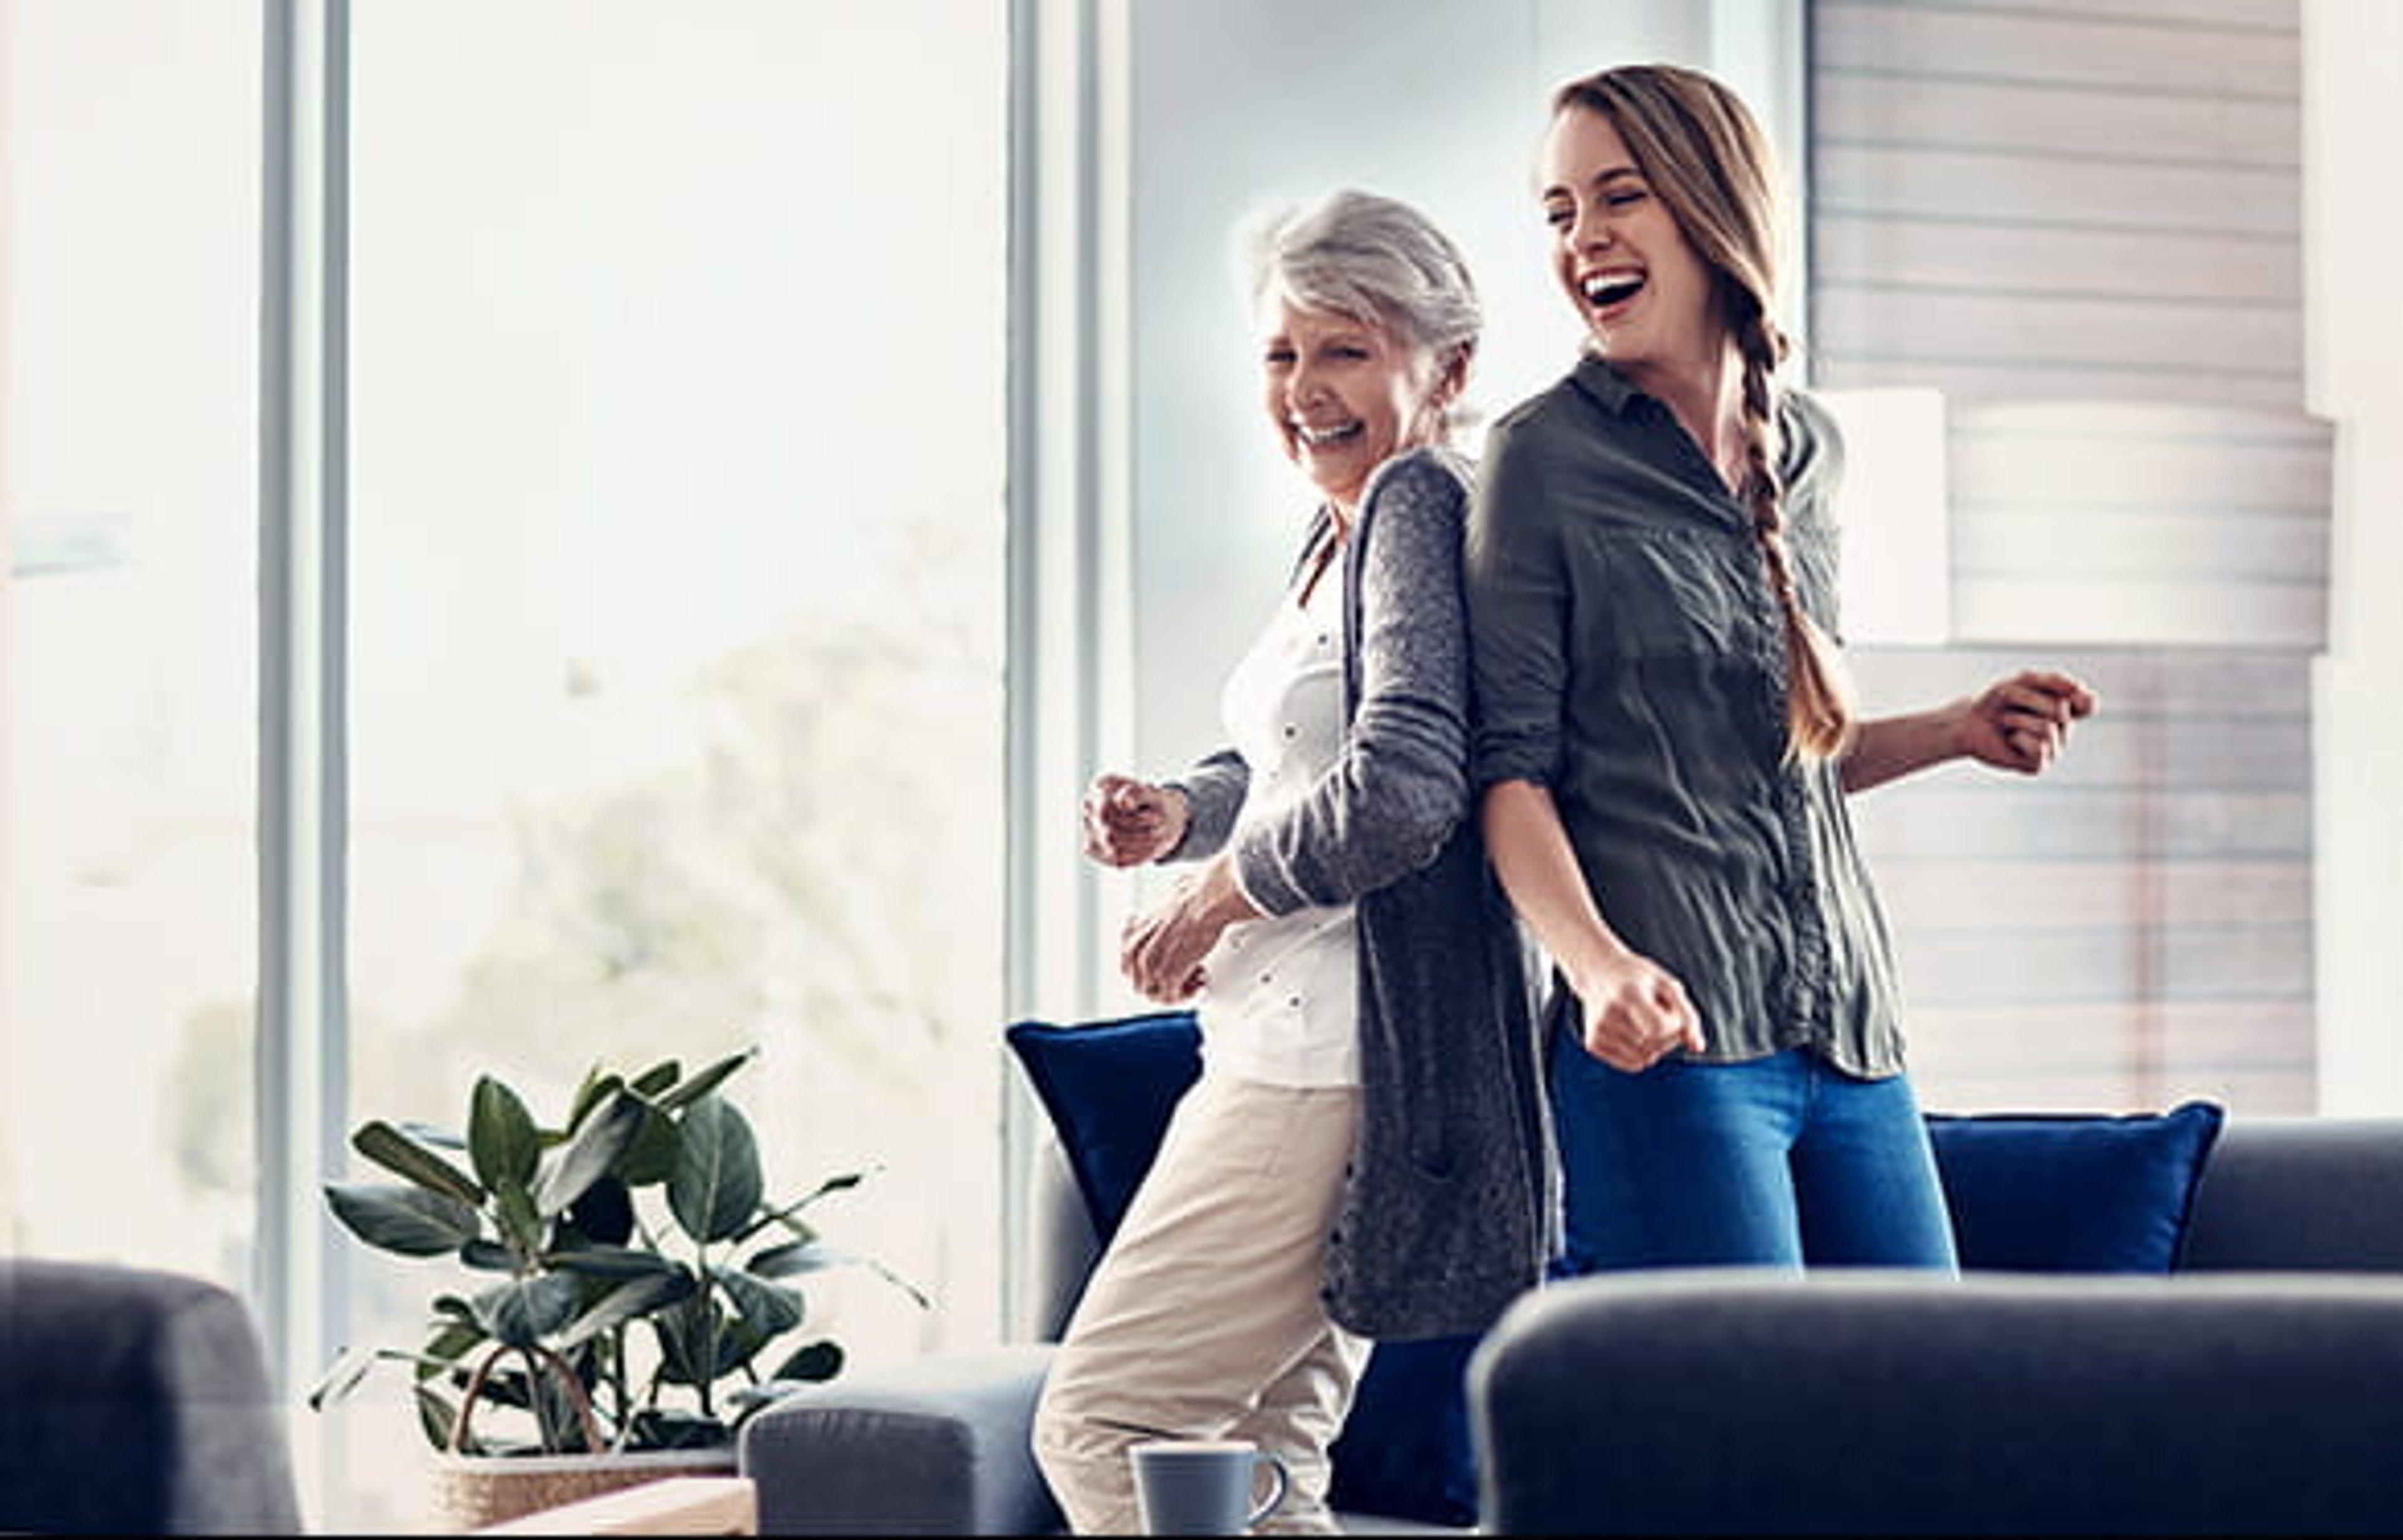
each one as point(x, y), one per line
point(1129, 822)
point(1161, 950)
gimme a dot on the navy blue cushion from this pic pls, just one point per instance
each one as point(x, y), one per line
point(2039, 1192)
point(1109, 1087)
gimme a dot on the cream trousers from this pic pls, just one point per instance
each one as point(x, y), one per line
point(1203, 1318)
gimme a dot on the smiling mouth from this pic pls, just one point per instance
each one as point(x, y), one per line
point(1605, 289)
point(1319, 438)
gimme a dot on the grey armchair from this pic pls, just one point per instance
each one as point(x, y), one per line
point(135, 1402)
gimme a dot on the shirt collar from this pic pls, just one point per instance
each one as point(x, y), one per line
point(1601, 380)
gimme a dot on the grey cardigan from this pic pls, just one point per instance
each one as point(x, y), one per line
point(1451, 1204)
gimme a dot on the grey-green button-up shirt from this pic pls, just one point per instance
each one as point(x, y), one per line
point(1630, 656)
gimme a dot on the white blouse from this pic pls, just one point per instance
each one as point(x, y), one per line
point(1280, 997)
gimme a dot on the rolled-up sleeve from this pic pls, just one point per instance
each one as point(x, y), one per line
point(1516, 591)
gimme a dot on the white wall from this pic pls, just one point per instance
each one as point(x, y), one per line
point(2353, 91)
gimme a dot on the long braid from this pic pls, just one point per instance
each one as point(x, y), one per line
point(1818, 702)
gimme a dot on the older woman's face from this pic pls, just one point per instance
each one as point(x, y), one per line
point(1344, 396)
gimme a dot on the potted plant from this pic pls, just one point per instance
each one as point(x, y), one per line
point(639, 1280)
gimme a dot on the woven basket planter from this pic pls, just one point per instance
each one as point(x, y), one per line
point(470, 1491)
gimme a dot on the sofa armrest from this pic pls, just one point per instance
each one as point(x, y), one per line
point(1869, 1403)
point(135, 1401)
point(940, 1445)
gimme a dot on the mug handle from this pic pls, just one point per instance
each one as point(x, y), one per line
point(1279, 1480)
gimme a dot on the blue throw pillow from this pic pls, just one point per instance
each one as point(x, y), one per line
point(2049, 1192)
point(1109, 1087)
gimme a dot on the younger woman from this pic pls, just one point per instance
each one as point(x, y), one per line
point(1666, 740)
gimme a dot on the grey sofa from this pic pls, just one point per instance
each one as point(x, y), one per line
point(2257, 1391)
point(2260, 1390)
point(135, 1402)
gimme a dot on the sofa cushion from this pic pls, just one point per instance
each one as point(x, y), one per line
point(2040, 1192)
point(1109, 1087)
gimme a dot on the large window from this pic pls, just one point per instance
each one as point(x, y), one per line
point(129, 241)
point(670, 420)
point(676, 588)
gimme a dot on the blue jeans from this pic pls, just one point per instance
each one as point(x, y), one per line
point(1772, 1162)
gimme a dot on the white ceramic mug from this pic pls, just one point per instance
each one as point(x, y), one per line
point(1203, 1486)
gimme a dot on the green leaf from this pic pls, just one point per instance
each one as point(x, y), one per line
point(520, 1223)
point(602, 1215)
point(596, 1085)
point(488, 1256)
point(816, 1257)
point(604, 1137)
point(504, 1388)
point(563, 1431)
point(834, 1184)
point(524, 1310)
point(738, 1343)
point(716, 1184)
point(819, 1360)
point(785, 1216)
point(797, 1256)
point(688, 1336)
point(667, 1428)
point(397, 1153)
point(411, 1221)
point(769, 1308)
point(342, 1376)
point(630, 1300)
point(448, 1346)
point(502, 1138)
point(610, 1262)
point(707, 1080)
point(653, 1157)
point(436, 1415)
point(658, 1077)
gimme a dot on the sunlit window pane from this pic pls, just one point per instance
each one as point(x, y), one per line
point(129, 220)
point(676, 597)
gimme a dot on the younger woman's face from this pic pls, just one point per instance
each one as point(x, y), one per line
point(1344, 396)
point(1634, 279)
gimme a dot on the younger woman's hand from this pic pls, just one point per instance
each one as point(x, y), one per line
point(1636, 1012)
point(1129, 822)
point(2023, 723)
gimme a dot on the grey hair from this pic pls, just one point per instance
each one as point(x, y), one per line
point(1372, 258)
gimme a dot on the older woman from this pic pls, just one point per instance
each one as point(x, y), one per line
point(1366, 1153)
